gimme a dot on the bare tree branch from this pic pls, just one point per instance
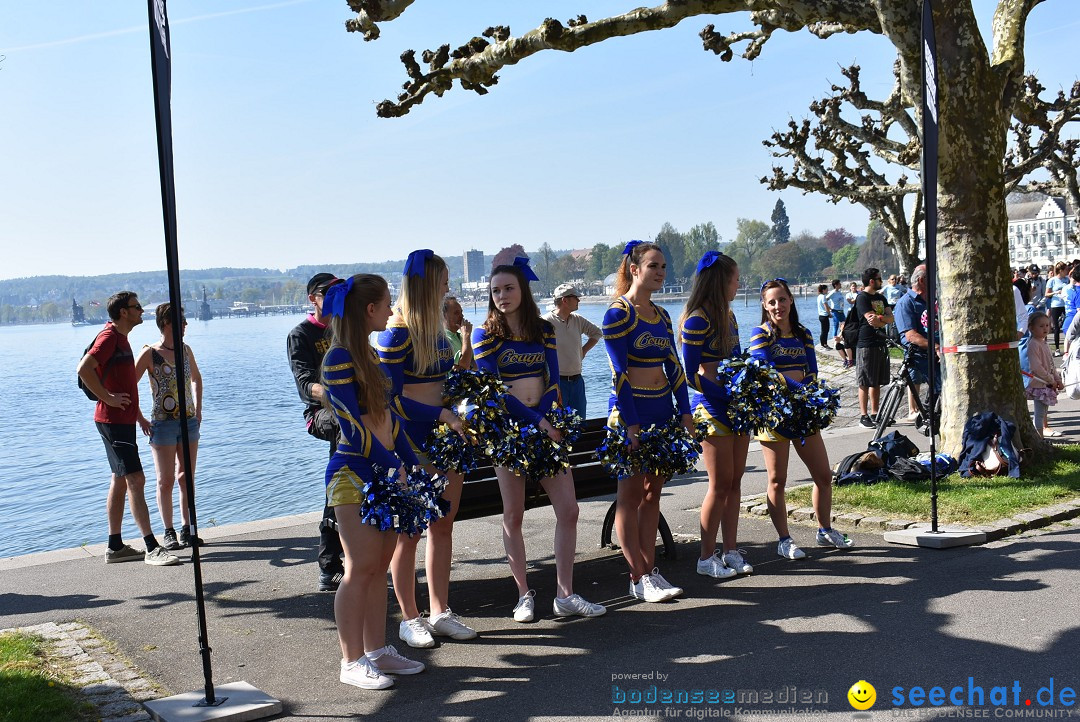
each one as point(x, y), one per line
point(369, 12)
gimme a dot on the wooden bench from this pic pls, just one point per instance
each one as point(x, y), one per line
point(480, 495)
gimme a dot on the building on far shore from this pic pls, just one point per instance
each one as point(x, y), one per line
point(474, 266)
point(1042, 230)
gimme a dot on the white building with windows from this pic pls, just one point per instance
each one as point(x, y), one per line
point(1041, 231)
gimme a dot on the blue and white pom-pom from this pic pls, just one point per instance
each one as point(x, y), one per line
point(666, 450)
point(406, 508)
point(756, 390)
point(811, 408)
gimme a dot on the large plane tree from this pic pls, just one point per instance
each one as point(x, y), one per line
point(980, 90)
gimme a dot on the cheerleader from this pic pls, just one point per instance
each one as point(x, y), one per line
point(788, 346)
point(359, 478)
point(518, 345)
point(416, 356)
point(710, 334)
point(646, 373)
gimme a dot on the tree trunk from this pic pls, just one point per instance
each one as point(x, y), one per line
point(973, 258)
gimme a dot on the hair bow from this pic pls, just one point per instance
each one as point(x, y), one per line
point(708, 259)
point(414, 264)
point(334, 298)
point(630, 247)
point(522, 262)
point(782, 280)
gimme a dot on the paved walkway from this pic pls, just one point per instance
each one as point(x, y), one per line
point(895, 616)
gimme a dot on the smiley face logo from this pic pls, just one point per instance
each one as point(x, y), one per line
point(862, 695)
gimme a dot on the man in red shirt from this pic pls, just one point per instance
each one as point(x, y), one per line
point(108, 370)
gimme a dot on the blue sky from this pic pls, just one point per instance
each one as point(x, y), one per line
point(281, 161)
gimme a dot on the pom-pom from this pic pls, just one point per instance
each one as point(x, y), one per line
point(811, 408)
point(532, 454)
point(757, 394)
point(665, 450)
point(478, 399)
point(406, 507)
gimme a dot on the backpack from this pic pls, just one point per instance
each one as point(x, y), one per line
point(851, 328)
point(893, 446)
point(104, 369)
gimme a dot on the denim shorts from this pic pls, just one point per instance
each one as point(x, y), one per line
point(167, 432)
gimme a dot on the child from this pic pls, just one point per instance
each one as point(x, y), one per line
point(1041, 379)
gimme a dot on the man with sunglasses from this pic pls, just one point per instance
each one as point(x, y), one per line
point(108, 370)
point(872, 356)
point(307, 344)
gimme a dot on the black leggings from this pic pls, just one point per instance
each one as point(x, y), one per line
point(824, 337)
point(1057, 315)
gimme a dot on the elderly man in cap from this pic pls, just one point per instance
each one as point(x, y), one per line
point(307, 344)
point(569, 328)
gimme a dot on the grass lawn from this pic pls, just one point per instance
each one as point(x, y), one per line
point(971, 501)
point(31, 687)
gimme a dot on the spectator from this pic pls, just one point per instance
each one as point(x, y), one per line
point(1021, 296)
point(1054, 299)
point(569, 328)
point(1038, 287)
point(824, 316)
point(836, 306)
point(851, 295)
point(458, 333)
point(872, 357)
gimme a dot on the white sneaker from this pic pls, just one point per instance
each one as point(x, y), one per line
point(734, 560)
point(833, 538)
point(361, 673)
point(788, 549)
point(575, 605)
point(158, 557)
point(525, 609)
point(415, 633)
point(672, 590)
point(714, 567)
point(388, 661)
point(646, 589)
point(450, 625)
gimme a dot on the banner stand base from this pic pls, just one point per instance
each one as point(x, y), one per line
point(946, 537)
point(240, 702)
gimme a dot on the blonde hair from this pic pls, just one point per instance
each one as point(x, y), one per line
point(623, 279)
point(350, 331)
point(709, 293)
point(420, 305)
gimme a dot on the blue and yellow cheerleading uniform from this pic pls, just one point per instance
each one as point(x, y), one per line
point(634, 341)
point(512, 359)
point(353, 464)
point(701, 343)
point(395, 350)
point(784, 353)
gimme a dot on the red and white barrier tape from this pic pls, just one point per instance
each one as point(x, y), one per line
point(977, 347)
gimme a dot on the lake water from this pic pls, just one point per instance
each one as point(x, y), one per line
point(255, 459)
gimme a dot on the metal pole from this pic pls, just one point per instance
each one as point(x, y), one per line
point(929, 188)
point(160, 63)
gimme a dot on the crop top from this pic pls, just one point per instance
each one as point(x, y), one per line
point(634, 341)
point(395, 350)
point(701, 344)
point(343, 388)
point(785, 353)
point(513, 358)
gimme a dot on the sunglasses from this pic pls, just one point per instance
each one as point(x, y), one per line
point(135, 306)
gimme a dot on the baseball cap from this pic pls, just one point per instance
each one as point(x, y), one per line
point(564, 290)
point(320, 282)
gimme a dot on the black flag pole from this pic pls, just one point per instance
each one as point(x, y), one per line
point(929, 191)
point(160, 63)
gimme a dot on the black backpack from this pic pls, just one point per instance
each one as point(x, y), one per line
point(104, 369)
point(851, 328)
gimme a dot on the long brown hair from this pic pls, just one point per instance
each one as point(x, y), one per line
point(709, 293)
point(420, 305)
point(350, 331)
point(532, 326)
point(623, 279)
point(796, 327)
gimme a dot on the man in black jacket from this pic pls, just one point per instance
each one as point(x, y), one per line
point(307, 344)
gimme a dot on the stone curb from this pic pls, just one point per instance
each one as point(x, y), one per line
point(995, 530)
point(115, 688)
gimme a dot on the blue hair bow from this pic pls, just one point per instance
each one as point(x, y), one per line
point(522, 262)
point(630, 247)
point(334, 298)
point(414, 264)
point(707, 260)
point(782, 280)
